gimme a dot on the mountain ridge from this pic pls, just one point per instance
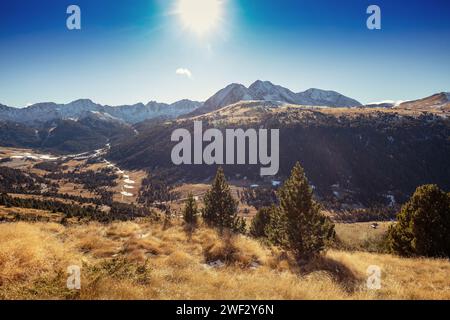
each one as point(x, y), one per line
point(267, 91)
point(440, 101)
point(46, 111)
point(233, 93)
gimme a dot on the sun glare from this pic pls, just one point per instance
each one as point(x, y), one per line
point(200, 16)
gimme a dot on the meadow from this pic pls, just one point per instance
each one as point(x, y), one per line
point(154, 260)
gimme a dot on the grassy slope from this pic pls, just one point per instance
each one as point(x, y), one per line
point(147, 261)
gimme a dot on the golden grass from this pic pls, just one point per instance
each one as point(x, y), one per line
point(143, 260)
point(11, 214)
point(360, 235)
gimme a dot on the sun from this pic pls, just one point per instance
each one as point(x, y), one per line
point(200, 16)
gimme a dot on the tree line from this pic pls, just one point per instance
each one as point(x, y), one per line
point(117, 211)
point(296, 223)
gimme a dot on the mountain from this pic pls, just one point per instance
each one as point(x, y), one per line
point(381, 104)
point(230, 94)
point(47, 111)
point(439, 101)
point(13, 134)
point(92, 130)
point(317, 97)
point(88, 133)
point(267, 91)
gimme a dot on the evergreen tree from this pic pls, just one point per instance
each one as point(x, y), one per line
point(220, 208)
point(240, 225)
point(307, 229)
point(423, 226)
point(190, 211)
point(276, 229)
point(259, 222)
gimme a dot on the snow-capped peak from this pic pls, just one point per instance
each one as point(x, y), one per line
point(266, 90)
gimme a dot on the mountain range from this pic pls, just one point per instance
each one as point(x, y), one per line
point(363, 154)
point(43, 112)
point(259, 90)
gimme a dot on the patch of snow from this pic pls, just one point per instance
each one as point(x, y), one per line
point(47, 157)
point(391, 199)
point(276, 183)
point(216, 264)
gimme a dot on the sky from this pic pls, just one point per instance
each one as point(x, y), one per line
point(166, 50)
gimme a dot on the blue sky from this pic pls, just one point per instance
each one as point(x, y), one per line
point(129, 51)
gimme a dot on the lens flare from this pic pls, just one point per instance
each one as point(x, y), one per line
point(200, 16)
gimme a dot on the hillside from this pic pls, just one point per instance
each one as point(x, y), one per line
point(91, 131)
point(144, 260)
point(353, 155)
point(439, 101)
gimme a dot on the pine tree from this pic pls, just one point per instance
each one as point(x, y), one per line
point(190, 211)
point(423, 226)
point(307, 229)
point(260, 222)
point(220, 208)
point(240, 225)
point(276, 229)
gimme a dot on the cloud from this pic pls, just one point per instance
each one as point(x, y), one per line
point(184, 72)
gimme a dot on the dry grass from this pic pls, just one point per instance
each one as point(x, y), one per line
point(142, 260)
point(12, 214)
point(361, 236)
